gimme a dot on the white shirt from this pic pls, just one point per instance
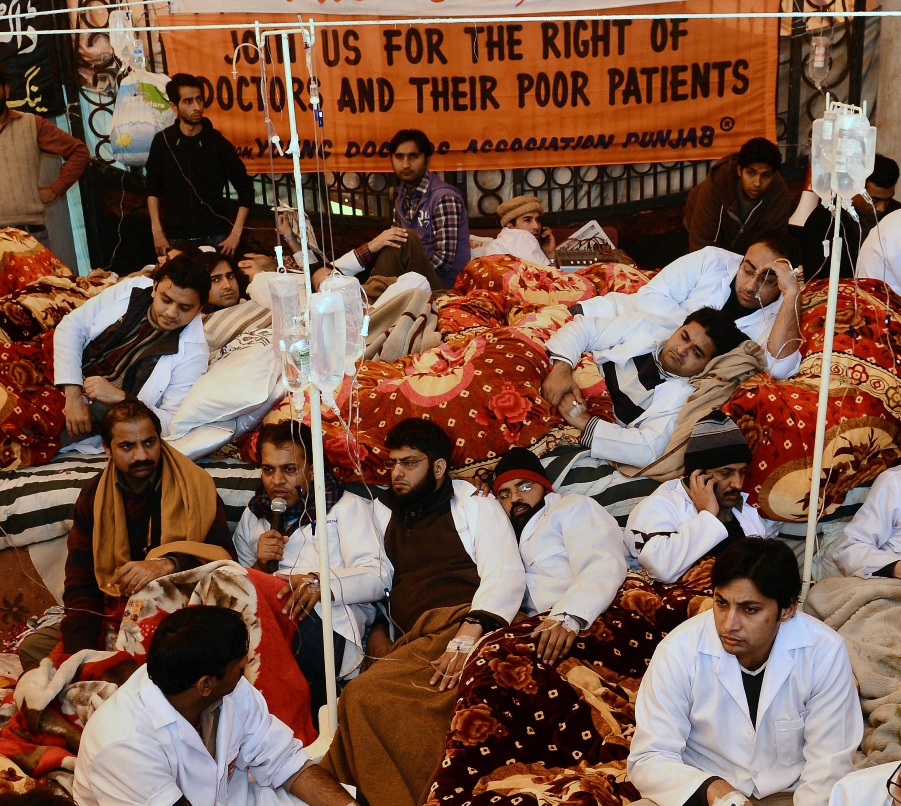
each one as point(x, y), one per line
point(880, 254)
point(360, 573)
point(488, 538)
point(619, 340)
point(693, 722)
point(573, 555)
point(873, 537)
point(698, 279)
point(137, 749)
point(666, 534)
point(172, 377)
point(864, 787)
point(519, 243)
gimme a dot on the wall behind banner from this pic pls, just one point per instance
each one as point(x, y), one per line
point(501, 95)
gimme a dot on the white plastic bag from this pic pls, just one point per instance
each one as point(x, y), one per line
point(141, 111)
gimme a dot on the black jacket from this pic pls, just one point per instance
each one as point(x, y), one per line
point(189, 174)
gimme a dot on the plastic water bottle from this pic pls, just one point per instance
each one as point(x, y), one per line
point(351, 293)
point(327, 343)
point(294, 350)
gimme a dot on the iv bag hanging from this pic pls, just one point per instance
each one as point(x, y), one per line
point(351, 294)
point(327, 343)
point(843, 152)
point(289, 333)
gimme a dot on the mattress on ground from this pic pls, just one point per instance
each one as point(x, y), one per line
point(36, 504)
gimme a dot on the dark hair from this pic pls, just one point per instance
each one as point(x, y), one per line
point(3, 79)
point(285, 433)
point(179, 80)
point(885, 172)
point(421, 139)
point(768, 563)
point(193, 642)
point(420, 435)
point(127, 411)
point(721, 329)
point(783, 244)
point(186, 271)
point(759, 149)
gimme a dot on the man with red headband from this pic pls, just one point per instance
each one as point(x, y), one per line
point(571, 547)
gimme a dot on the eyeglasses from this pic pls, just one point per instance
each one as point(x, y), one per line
point(893, 787)
point(523, 487)
point(406, 464)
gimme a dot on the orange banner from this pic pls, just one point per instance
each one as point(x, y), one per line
point(499, 95)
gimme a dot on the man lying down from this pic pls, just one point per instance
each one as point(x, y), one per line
point(647, 369)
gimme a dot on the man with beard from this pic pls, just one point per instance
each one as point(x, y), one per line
point(24, 138)
point(149, 513)
point(571, 547)
point(456, 576)
point(292, 553)
point(760, 292)
point(700, 514)
point(751, 702)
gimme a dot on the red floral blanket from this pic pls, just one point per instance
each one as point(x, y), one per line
point(524, 732)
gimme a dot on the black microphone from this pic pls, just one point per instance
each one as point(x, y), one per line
point(279, 505)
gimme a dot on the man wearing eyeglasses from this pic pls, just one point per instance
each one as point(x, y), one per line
point(456, 575)
point(571, 547)
point(759, 291)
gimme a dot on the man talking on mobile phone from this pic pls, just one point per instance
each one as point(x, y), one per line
point(700, 514)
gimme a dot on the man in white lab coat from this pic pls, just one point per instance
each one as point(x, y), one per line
point(872, 543)
point(141, 338)
point(571, 548)
point(760, 292)
point(456, 575)
point(359, 575)
point(647, 365)
point(189, 729)
point(702, 513)
point(751, 701)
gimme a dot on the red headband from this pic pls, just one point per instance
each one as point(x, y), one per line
point(520, 473)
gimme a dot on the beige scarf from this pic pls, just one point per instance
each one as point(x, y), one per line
point(187, 509)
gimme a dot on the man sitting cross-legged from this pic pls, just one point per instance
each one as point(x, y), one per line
point(188, 729)
point(571, 549)
point(456, 575)
point(647, 377)
point(149, 513)
point(760, 292)
point(751, 701)
point(702, 513)
point(355, 552)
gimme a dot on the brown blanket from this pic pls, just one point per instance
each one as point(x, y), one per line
point(391, 722)
point(403, 325)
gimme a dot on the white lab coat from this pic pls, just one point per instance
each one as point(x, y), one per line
point(692, 718)
point(864, 787)
point(519, 243)
point(666, 535)
point(880, 254)
point(172, 377)
point(873, 537)
point(573, 555)
point(619, 340)
point(696, 280)
point(137, 749)
point(360, 573)
point(488, 538)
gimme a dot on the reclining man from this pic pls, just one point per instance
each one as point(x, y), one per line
point(522, 234)
point(456, 576)
point(292, 551)
point(571, 548)
point(749, 702)
point(872, 543)
point(760, 292)
point(188, 728)
point(702, 513)
point(140, 339)
point(430, 231)
point(647, 378)
point(149, 513)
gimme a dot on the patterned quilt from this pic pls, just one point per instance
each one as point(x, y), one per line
point(23, 259)
point(524, 732)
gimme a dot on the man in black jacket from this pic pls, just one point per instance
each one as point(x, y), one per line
point(188, 167)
